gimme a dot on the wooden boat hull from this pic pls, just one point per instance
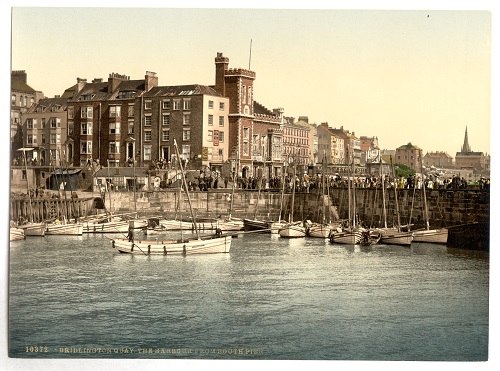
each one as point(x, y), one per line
point(16, 234)
point(34, 229)
point(176, 225)
point(70, 229)
point(439, 236)
point(170, 247)
point(121, 226)
point(346, 237)
point(230, 225)
point(319, 231)
point(393, 237)
point(292, 231)
point(256, 225)
point(276, 226)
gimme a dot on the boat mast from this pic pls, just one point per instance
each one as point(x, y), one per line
point(186, 189)
point(382, 177)
point(27, 184)
point(258, 199)
point(282, 192)
point(426, 211)
point(396, 196)
point(349, 216)
point(235, 173)
point(109, 193)
point(290, 214)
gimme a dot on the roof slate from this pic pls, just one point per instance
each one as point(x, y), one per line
point(187, 90)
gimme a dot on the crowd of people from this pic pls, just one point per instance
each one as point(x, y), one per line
point(307, 183)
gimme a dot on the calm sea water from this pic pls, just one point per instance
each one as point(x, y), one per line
point(269, 298)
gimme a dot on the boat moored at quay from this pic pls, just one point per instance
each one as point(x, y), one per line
point(458, 208)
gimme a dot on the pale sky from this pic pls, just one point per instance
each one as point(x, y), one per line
point(417, 76)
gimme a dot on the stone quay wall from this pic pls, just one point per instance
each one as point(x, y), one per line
point(446, 207)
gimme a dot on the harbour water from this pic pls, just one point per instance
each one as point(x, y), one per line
point(269, 298)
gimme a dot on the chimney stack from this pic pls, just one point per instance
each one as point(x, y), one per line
point(20, 75)
point(114, 80)
point(150, 80)
point(80, 83)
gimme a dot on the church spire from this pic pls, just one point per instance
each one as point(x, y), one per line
point(466, 147)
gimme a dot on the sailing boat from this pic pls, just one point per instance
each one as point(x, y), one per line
point(230, 223)
point(323, 229)
point(207, 245)
point(106, 223)
point(277, 225)
point(256, 224)
point(393, 236)
point(62, 227)
point(439, 235)
point(293, 229)
point(30, 228)
point(351, 234)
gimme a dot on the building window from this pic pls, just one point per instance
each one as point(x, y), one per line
point(166, 119)
point(114, 128)
point(114, 148)
point(31, 139)
point(114, 111)
point(55, 123)
point(86, 128)
point(221, 120)
point(130, 127)
point(210, 119)
point(13, 99)
point(210, 104)
point(186, 134)
point(165, 135)
point(166, 105)
point(43, 139)
point(53, 138)
point(43, 123)
point(147, 120)
point(186, 119)
point(177, 104)
point(87, 112)
point(147, 136)
point(130, 111)
point(186, 151)
point(71, 128)
point(244, 94)
point(86, 147)
point(30, 123)
point(221, 106)
point(246, 138)
point(71, 112)
point(147, 153)
point(221, 136)
point(210, 135)
point(148, 104)
point(186, 104)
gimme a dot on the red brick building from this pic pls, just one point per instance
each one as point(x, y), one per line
point(254, 131)
point(101, 118)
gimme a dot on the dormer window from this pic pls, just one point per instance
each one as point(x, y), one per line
point(87, 96)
